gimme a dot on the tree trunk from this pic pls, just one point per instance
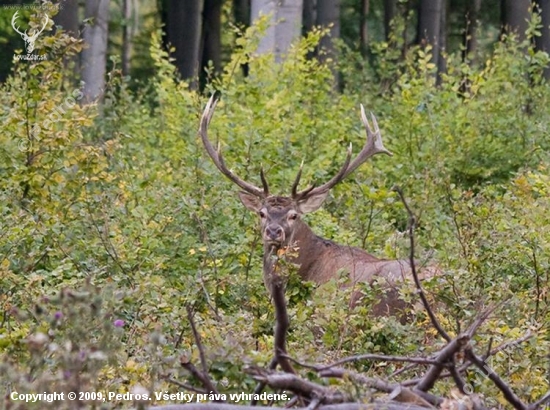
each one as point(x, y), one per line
point(390, 7)
point(441, 61)
point(94, 58)
point(429, 26)
point(241, 12)
point(308, 16)
point(328, 15)
point(129, 10)
point(470, 33)
point(515, 17)
point(542, 43)
point(363, 26)
point(183, 28)
point(286, 18)
point(68, 19)
point(211, 38)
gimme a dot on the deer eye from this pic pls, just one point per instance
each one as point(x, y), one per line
point(292, 216)
point(262, 214)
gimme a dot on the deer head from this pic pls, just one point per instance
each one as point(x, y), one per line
point(28, 39)
point(280, 215)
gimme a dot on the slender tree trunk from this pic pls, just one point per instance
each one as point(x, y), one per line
point(363, 26)
point(211, 38)
point(390, 7)
point(241, 12)
point(429, 26)
point(128, 9)
point(328, 15)
point(515, 17)
point(94, 58)
point(286, 17)
point(308, 16)
point(68, 19)
point(470, 33)
point(542, 43)
point(183, 27)
point(441, 61)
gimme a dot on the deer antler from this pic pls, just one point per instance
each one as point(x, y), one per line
point(217, 158)
point(372, 147)
point(13, 22)
point(35, 35)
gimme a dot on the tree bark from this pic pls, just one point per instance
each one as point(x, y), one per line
point(68, 19)
point(129, 9)
point(286, 19)
point(542, 43)
point(328, 15)
point(430, 17)
point(94, 58)
point(211, 38)
point(183, 28)
point(363, 26)
point(515, 17)
point(390, 7)
point(308, 16)
point(470, 33)
point(241, 12)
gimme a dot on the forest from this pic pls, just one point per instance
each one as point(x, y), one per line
point(156, 155)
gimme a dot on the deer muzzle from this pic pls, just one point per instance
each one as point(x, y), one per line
point(274, 234)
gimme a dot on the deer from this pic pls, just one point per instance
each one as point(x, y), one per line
point(282, 228)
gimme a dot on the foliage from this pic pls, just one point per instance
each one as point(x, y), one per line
point(114, 223)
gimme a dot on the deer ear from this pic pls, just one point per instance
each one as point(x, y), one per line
point(312, 203)
point(250, 201)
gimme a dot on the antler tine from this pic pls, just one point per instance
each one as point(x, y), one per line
point(217, 156)
point(373, 146)
point(312, 190)
point(13, 23)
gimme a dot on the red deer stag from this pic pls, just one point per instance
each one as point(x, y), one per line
point(319, 259)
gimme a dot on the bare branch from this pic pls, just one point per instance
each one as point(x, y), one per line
point(509, 395)
point(412, 226)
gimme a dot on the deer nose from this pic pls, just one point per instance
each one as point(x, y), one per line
point(274, 232)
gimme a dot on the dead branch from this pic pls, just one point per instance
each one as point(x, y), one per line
point(196, 373)
point(444, 358)
point(377, 384)
point(301, 387)
point(412, 226)
point(202, 376)
point(495, 378)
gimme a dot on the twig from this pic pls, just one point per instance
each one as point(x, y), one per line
point(190, 367)
point(381, 357)
point(185, 386)
point(509, 395)
point(197, 337)
point(444, 357)
point(540, 402)
point(412, 225)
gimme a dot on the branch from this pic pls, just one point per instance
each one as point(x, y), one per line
point(412, 225)
point(444, 357)
point(509, 395)
point(190, 367)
